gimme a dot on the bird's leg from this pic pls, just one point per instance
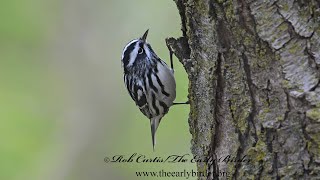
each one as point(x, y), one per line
point(171, 63)
point(188, 102)
point(170, 54)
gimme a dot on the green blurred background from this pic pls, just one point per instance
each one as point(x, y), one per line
point(63, 104)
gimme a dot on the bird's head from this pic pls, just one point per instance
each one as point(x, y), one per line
point(137, 50)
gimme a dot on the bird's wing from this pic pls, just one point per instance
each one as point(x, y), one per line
point(161, 89)
point(166, 83)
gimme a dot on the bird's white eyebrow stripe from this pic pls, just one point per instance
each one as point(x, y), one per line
point(133, 54)
point(126, 47)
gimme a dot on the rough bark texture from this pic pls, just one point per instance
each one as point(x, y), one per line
point(254, 86)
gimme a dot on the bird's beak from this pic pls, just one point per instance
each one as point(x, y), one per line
point(144, 37)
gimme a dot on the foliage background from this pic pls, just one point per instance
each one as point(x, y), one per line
point(63, 104)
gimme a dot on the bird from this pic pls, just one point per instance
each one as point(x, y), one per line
point(149, 80)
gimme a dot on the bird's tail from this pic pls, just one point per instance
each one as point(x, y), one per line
point(154, 123)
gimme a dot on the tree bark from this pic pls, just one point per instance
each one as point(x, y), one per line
point(254, 92)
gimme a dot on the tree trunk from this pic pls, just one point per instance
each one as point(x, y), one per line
point(254, 86)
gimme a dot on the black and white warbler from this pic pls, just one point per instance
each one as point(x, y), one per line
point(150, 82)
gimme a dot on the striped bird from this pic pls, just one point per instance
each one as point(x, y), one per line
point(149, 81)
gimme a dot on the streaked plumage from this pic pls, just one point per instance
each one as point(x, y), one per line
point(150, 82)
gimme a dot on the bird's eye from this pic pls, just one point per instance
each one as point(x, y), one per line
point(140, 51)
